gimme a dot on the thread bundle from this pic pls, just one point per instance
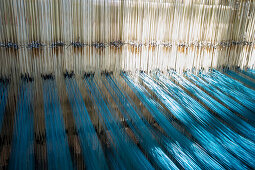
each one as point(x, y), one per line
point(155, 120)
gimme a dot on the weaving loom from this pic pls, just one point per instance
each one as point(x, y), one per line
point(127, 84)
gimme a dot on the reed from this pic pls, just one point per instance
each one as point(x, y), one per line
point(50, 36)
